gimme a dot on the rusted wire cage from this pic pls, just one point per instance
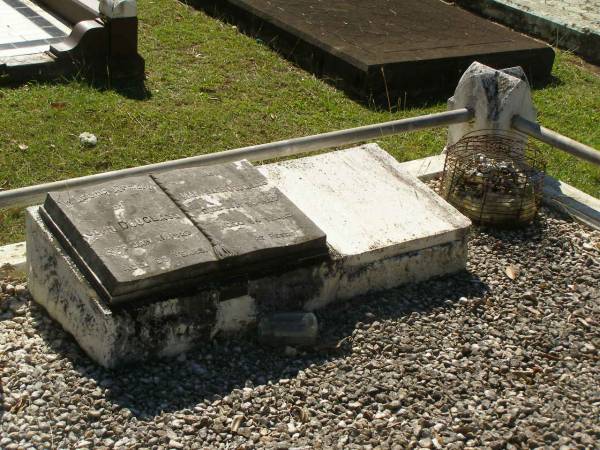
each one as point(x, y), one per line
point(494, 179)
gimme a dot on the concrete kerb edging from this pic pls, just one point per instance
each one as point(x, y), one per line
point(567, 35)
point(558, 195)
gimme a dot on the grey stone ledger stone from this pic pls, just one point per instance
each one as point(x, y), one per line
point(244, 217)
point(146, 235)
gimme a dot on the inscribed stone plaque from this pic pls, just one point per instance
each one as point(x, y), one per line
point(244, 217)
point(149, 234)
point(130, 235)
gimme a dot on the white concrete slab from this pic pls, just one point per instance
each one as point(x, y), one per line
point(13, 257)
point(580, 206)
point(425, 169)
point(366, 205)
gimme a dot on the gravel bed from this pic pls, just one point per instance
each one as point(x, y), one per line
point(502, 356)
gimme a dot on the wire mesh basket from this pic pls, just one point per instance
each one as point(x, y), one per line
point(494, 179)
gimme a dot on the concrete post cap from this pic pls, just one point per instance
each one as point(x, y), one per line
point(118, 9)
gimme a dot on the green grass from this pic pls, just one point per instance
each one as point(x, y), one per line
point(211, 88)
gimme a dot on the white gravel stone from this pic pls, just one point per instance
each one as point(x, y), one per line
point(20, 290)
point(88, 139)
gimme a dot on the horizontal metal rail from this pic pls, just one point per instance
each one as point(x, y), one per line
point(35, 194)
point(557, 140)
point(290, 147)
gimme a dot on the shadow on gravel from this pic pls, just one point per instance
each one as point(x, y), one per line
point(218, 367)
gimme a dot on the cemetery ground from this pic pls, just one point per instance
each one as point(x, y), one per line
point(504, 355)
point(210, 88)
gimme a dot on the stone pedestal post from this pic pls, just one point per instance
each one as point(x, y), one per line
point(121, 21)
point(495, 96)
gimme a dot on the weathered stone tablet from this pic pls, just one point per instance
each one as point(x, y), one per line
point(147, 235)
point(246, 219)
point(129, 235)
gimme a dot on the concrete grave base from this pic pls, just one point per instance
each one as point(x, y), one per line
point(384, 228)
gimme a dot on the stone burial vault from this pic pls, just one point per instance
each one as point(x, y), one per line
point(151, 265)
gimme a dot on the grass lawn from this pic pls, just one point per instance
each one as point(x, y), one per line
point(211, 88)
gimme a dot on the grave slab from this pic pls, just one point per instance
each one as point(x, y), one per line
point(385, 48)
point(570, 24)
point(143, 235)
point(246, 219)
point(371, 210)
point(26, 28)
point(48, 39)
point(128, 237)
point(384, 228)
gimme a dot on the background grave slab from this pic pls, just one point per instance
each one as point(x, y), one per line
point(26, 28)
point(49, 39)
point(570, 24)
point(384, 48)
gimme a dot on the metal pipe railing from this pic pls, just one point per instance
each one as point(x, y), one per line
point(290, 147)
point(557, 140)
point(35, 194)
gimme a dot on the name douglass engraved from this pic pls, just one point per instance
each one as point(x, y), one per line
point(122, 225)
